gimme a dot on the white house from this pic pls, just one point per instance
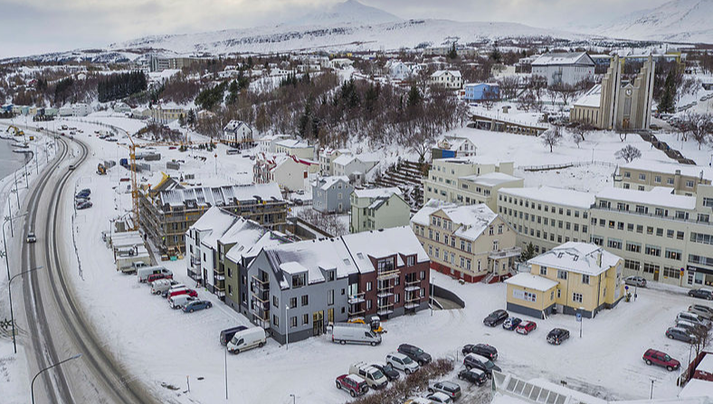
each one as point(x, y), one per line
point(289, 172)
point(326, 160)
point(295, 147)
point(450, 79)
point(266, 144)
point(349, 165)
point(397, 70)
point(237, 132)
point(563, 68)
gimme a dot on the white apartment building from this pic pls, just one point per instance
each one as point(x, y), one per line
point(546, 216)
point(450, 79)
point(643, 175)
point(468, 180)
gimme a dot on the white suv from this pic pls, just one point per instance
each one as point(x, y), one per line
point(401, 362)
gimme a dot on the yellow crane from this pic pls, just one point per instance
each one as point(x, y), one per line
point(18, 131)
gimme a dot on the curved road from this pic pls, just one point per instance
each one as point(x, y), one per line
point(55, 320)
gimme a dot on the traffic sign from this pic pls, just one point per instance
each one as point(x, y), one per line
point(579, 317)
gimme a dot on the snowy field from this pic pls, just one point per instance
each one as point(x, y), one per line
point(163, 346)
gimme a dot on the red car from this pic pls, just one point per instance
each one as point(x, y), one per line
point(658, 358)
point(355, 385)
point(183, 291)
point(156, 277)
point(526, 327)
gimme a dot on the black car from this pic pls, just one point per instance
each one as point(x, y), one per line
point(511, 323)
point(473, 375)
point(557, 336)
point(701, 293)
point(474, 361)
point(495, 318)
point(415, 353)
point(485, 350)
point(387, 370)
point(83, 194)
point(84, 205)
point(227, 335)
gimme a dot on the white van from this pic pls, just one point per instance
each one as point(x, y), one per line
point(246, 339)
point(177, 302)
point(355, 334)
point(161, 285)
point(374, 377)
point(145, 272)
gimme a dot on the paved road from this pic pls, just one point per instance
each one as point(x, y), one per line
point(55, 321)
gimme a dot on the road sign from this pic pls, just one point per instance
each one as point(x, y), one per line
point(579, 317)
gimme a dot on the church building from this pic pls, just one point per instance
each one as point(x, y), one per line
point(614, 104)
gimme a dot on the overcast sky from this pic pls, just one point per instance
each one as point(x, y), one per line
point(38, 26)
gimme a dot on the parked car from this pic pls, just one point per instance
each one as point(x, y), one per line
point(475, 361)
point(227, 334)
point(526, 327)
point(694, 318)
point(388, 370)
point(173, 288)
point(177, 302)
point(84, 205)
point(375, 378)
point(703, 311)
point(85, 191)
point(415, 353)
point(439, 397)
point(635, 281)
point(557, 336)
point(354, 385)
point(701, 293)
point(161, 285)
point(495, 318)
point(197, 305)
point(452, 390)
point(354, 334)
point(155, 277)
point(401, 362)
point(511, 323)
point(695, 329)
point(144, 273)
point(182, 291)
point(680, 334)
point(31, 238)
point(658, 358)
point(485, 350)
point(473, 375)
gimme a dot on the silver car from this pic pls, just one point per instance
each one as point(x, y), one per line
point(702, 310)
point(635, 281)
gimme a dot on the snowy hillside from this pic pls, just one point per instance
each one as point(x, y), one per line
point(354, 37)
point(677, 20)
point(350, 11)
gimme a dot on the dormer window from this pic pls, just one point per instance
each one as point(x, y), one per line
point(299, 280)
point(410, 260)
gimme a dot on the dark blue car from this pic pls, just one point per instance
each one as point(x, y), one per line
point(197, 305)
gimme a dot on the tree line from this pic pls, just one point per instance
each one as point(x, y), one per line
point(122, 85)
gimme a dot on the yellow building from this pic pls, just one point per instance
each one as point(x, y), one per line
point(571, 278)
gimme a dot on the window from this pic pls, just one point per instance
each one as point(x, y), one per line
point(657, 179)
point(671, 272)
point(642, 177)
point(298, 280)
point(585, 279)
point(543, 270)
point(562, 274)
point(368, 284)
point(500, 229)
point(559, 293)
point(305, 319)
point(653, 250)
point(275, 301)
point(577, 297)
point(275, 320)
point(368, 304)
point(293, 302)
point(614, 243)
point(633, 265)
point(673, 254)
point(293, 322)
point(689, 184)
point(650, 268)
point(633, 247)
point(305, 300)
point(330, 297)
point(639, 228)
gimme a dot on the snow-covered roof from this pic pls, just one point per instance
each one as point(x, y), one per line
point(563, 58)
point(221, 196)
point(439, 73)
point(659, 196)
point(697, 388)
point(530, 281)
point(214, 222)
point(234, 125)
point(591, 98)
point(383, 243)
point(583, 258)
point(669, 168)
point(560, 196)
point(473, 219)
point(324, 183)
point(491, 179)
point(293, 144)
point(377, 192)
point(344, 159)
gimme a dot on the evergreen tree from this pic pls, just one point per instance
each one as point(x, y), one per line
point(414, 97)
point(528, 253)
point(668, 98)
point(453, 54)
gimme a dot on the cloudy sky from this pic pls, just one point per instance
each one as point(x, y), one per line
point(39, 26)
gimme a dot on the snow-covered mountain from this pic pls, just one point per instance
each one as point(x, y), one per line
point(350, 12)
point(677, 20)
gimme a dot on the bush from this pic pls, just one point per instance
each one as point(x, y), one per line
point(399, 391)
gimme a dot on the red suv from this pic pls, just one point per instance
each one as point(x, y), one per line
point(658, 358)
point(156, 277)
point(355, 385)
point(526, 327)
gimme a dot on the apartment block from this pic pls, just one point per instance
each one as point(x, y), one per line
point(546, 216)
point(377, 208)
point(644, 175)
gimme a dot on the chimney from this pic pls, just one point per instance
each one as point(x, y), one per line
point(599, 258)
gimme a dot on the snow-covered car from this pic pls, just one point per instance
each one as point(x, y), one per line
point(450, 389)
point(439, 397)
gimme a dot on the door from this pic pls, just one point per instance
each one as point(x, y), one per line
point(330, 316)
point(656, 275)
point(317, 323)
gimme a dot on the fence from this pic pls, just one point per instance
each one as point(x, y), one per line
point(448, 295)
point(562, 166)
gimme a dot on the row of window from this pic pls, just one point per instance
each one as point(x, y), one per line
point(647, 268)
point(540, 206)
point(630, 227)
point(657, 179)
point(541, 220)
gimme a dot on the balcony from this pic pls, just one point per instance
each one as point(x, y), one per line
point(387, 274)
point(384, 294)
point(506, 253)
point(356, 312)
point(385, 311)
point(412, 286)
point(259, 285)
point(410, 306)
point(218, 277)
point(356, 299)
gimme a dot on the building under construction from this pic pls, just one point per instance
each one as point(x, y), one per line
point(166, 214)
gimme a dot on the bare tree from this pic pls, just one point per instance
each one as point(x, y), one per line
point(508, 87)
point(581, 130)
point(629, 153)
point(698, 126)
point(489, 97)
point(329, 223)
point(552, 137)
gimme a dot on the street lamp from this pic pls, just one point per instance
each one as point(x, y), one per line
point(12, 315)
point(430, 298)
point(293, 398)
point(4, 240)
point(32, 385)
point(287, 327)
point(581, 320)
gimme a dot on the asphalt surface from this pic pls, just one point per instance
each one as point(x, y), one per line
point(56, 322)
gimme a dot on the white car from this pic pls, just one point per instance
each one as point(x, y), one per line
point(439, 397)
point(401, 362)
